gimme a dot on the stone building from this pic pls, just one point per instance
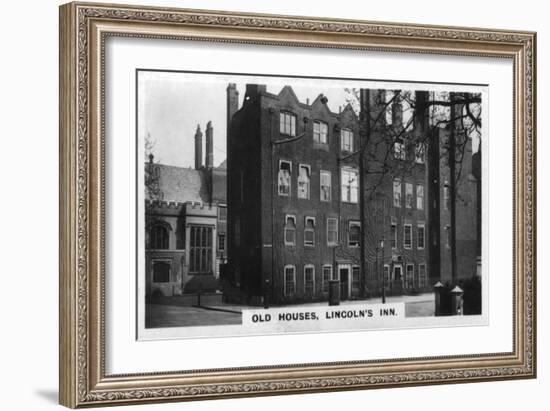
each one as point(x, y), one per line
point(186, 219)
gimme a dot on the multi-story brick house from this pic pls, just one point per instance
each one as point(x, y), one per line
point(455, 188)
point(293, 216)
point(315, 195)
point(395, 172)
point(185, 224)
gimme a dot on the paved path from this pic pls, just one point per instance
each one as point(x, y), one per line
point(182, 311)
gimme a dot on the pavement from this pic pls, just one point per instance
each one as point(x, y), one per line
point(183, 311)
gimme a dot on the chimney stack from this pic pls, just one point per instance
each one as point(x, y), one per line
point(209, 145)
point(198, 148)
point(421, 118)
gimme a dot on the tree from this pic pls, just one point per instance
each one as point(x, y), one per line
point(387, 133)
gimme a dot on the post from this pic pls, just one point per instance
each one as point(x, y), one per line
point(457, 301)
point(438, 287)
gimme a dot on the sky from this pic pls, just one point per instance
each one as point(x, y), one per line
point(172, 104)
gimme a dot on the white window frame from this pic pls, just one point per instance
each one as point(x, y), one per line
point(293, 217)
point(289, 179)
point(388, 96)
point(420, 153)
point(293, 267)
point(397, 189)
point(308, 192)
point(283, 123)
point(418, 228)
point(399, 150)
point(405, 236)
point(354, 224)
point(409, 282)
point(325, 282)
point(409, 195)
point(319, 133)
point(306, 266)
point(345, 134)
point(352, 188)
point(420, 197)
point(335, 243)
point(307, 229)
point(329, 174)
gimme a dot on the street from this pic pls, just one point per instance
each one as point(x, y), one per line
point(183, 311)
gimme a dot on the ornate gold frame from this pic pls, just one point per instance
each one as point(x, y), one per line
point(83, 29)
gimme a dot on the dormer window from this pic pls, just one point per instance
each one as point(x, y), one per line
point(320, 132)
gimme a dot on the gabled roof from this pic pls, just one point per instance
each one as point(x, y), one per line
point(180, 184)
point(287, 91)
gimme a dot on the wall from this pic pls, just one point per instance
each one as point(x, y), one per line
point(28, 217)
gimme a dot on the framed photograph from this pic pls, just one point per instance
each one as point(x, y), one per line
point(258, 204)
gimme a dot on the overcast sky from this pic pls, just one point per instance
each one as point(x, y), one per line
point(175, 103)
point(172, 104)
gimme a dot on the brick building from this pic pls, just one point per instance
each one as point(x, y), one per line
point(315, 195)
point(186, 219)
point(455, 188)
point(396, 185)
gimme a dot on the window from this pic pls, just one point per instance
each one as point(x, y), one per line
point(200, 253)
point(397, 193)
point(446, 195)
point(309, 280)
point(350, 185)
point(389, 107)
point(420, 197)
point(354, 233)
point(407, 233)
point(327, 276)
point(290, 230)
point(399, 151)
point(326, 185)
point(409, 276)
point(285, 170)
point(290, 281)
point(420, 153)
point(346, 140)
point(422, 277)
point(303, 181)
point(287, 124)
point(221, 243)
point(161, 271)
point(355, 278)
point(393, 235)
point(332, 231)
point(309, 232)
point(408, 195)
point(222, 213)
point(448, 236)
point(421, 236)
point(159, 237)
point(320, 132)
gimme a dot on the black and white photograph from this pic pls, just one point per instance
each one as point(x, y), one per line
point(273, 205)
